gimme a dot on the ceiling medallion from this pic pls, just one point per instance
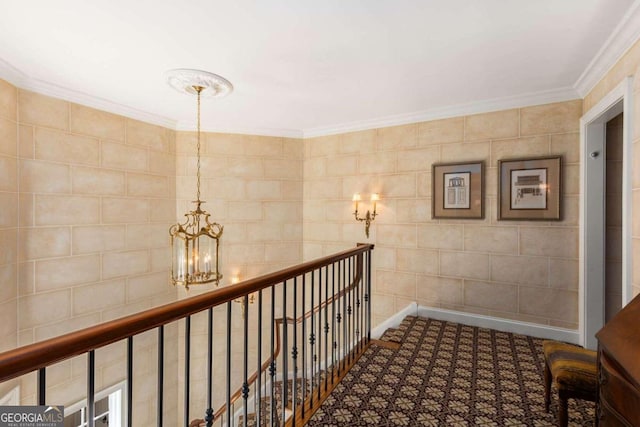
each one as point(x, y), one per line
point(185, 80)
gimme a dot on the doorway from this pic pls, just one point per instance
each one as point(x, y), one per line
point(613, 217)
point(597, 240)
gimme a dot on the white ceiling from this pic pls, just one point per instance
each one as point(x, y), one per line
point(305, 66)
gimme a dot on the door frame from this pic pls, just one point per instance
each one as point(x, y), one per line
point(592, 215)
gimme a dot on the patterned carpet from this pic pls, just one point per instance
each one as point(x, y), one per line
point(446, 374)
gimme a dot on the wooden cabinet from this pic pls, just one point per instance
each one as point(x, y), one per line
point(619, 368)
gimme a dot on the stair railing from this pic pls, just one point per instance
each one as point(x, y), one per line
point(325, 364)
point(347, 331)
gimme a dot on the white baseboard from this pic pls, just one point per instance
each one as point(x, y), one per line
point(394, 321)
point(505, 325)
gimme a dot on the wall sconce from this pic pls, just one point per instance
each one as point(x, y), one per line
point(252, 297)
point(369, 217)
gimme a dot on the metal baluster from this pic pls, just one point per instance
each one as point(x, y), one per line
point(352, 301)
point(326, 327)
point(349, 309)
point(42, 386)
point(228, 385)
point(259, 371)
point(367, 296)
point(333, 319)
point(363, 306)
point(304, 345)
point(209, 412)
point(318, 352)
point(344, 314)
point(312, 338)
point(187, 367)
point(354, 306)
point(91, 388)
point(285, 356)
point(359, 304)
point(160, 399)
point(245, 363)
point(294, 349)
point(272, 367)
point(356, 344)
point(338, 343)
point(129, 381)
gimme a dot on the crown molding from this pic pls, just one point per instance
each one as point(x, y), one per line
point(617, 44)
point(496, 104)
point(21, 80)
point(81, 98)
point(283, 133)
point(11, 74)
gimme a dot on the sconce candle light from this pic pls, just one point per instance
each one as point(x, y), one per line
point(234, 281)
point(369, 216)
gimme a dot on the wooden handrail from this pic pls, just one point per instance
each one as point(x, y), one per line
point(278, 322)
point(23, 360)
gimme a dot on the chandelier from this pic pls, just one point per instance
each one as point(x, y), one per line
point(195, 243)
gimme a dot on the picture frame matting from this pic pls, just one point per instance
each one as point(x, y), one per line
point(457, 190)
point(530, 188)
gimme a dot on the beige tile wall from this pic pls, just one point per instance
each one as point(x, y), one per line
point(628, 65)
point(253, 187)
point(97, 197)
point(9, 196)
point(516, 270)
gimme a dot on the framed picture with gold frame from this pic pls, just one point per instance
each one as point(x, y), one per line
point(530, 189)
point(457, 190)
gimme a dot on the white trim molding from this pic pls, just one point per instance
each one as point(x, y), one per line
point(282, 133)
point(11, 74)
point(486, 106)
point(591, 246)
point(395, 320)
point(505, 325)
point(619, 42)
point(478, 320)
point(18, 78)
point(21, 80)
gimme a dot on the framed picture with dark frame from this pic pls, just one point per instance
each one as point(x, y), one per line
point(530, 189)
point(457, 190)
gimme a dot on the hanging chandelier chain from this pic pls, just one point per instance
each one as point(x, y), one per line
point(195, 244)
point(199, 90)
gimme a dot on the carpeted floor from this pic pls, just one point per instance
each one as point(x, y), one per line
point(446, 374)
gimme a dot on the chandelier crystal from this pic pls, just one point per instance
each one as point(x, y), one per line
point(195, 243)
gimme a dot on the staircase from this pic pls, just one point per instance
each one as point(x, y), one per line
point(275, 418)
point(297, 311)
point(311, 350)
point(303, 386)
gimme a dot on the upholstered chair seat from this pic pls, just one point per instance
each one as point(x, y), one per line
point(573, 370)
